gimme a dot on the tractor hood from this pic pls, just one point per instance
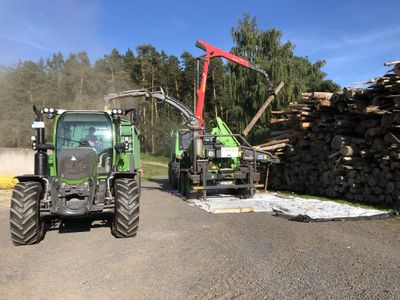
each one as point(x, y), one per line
point(77, 164)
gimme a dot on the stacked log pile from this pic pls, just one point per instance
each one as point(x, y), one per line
point(342, 145)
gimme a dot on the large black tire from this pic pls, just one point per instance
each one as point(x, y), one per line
point(181, 182)
point(26, 225)
point(169, 176)
point(246, 193)
point(174, 181)
point(172, 178)
point(125, 221)
point(186, 187)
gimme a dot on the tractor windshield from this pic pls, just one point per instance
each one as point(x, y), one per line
point(185, 139)
point(82, 129)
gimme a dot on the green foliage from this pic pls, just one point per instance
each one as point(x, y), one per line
point(249, 90)
point(233, 93)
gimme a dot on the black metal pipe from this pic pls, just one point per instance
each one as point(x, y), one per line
point(41, 164)
point(41, 158)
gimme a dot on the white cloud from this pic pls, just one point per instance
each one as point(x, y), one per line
point(28, 43)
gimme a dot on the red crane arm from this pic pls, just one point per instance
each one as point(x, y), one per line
point(211, 52)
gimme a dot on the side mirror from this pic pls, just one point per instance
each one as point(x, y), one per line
point(119, 147)
point(135, 117)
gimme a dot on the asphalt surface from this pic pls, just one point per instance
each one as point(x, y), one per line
point(182, 252)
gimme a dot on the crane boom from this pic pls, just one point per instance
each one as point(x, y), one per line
point(211, 52)
point(159, 95)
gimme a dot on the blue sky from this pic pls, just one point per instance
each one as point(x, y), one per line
point(354, 37)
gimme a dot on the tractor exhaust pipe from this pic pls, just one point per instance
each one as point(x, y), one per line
point(41, 162)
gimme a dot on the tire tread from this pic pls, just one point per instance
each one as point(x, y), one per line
point(125, 221)
point(25, 224)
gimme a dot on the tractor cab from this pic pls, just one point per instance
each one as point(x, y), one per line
point(81, 161)
point(181, 140)
point(86, 135)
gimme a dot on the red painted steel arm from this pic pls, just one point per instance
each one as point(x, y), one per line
point(212, 52)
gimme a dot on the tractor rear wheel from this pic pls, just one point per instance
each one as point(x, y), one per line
point(172, 178)
point(125, 221)
point(174, 181)
point(25, 224)
point(187, 187)
point(247, 193)
point(181, 182)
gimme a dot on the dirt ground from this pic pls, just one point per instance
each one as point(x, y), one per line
point(182, 252)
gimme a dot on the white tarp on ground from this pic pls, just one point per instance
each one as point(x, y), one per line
point(293, 207)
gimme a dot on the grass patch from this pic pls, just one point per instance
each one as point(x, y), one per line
point(154, 158)
point(342, 201)
point(152, 171)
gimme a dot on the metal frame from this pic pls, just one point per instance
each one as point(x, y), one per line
point(211, 52)
point(158, 94)
point(204, 176)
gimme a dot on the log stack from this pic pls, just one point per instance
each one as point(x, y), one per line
point(342, 145)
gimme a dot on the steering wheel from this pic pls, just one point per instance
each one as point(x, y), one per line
point(84, 143)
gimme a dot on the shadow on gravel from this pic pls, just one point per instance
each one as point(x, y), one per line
point(75, 225)
point(162, 184)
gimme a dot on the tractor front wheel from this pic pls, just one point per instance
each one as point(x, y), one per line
point(25, 224)
point(125, 222)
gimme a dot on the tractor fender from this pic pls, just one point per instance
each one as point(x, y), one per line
point(116, 175)
point(35, 178)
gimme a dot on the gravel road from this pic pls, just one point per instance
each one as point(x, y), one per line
point(182, 252)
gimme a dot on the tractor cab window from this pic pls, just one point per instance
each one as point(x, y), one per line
point(94, 130)
point(185, 139)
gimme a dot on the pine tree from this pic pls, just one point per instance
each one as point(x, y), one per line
point(266, 49)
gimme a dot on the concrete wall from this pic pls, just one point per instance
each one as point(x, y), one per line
point(16, 161)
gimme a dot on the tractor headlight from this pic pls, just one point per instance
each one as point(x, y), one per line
point(114, 111)
point(46, 110)
point(33, 139)
point(52, 113)
point(85, 185)
point(126, 143)
point(210, 153)
point(119, 111)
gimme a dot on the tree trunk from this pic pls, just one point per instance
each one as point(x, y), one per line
point(113, 79)
point(176, 88)
point(214, 95)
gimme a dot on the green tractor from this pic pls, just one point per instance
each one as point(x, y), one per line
point(216, 159)
point(93, 169)
point(181, 140)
